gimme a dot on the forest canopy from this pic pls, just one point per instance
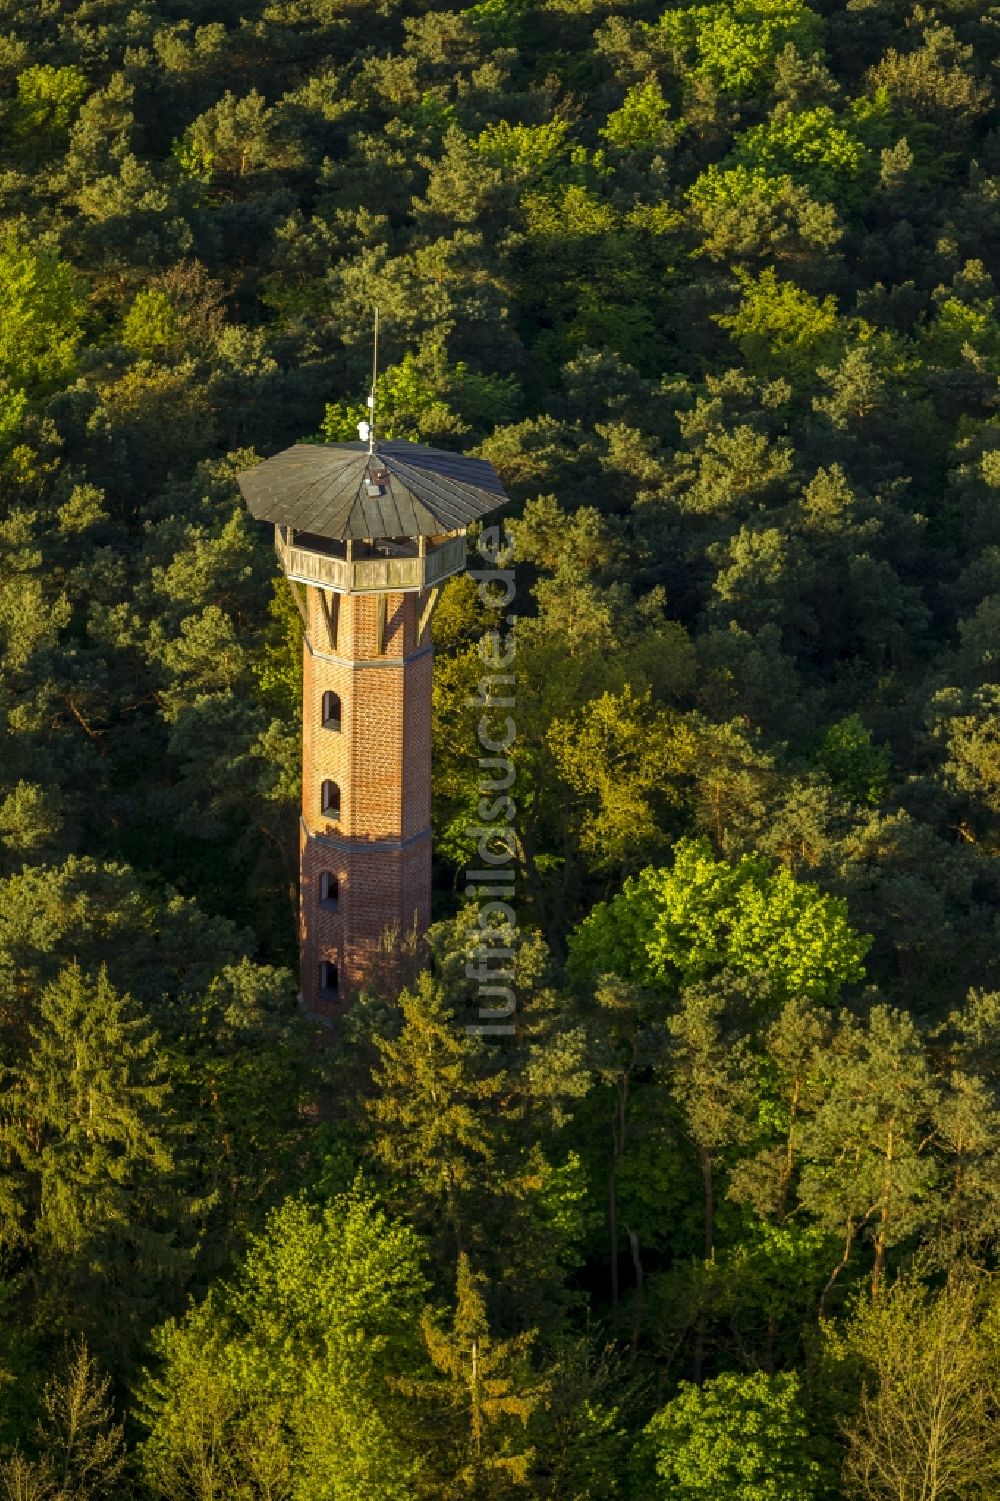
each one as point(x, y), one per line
point(715, 289)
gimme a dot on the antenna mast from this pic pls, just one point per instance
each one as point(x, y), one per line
point(371, 398)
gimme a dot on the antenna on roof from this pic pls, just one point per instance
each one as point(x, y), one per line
point(366, 429)
point(370, 424)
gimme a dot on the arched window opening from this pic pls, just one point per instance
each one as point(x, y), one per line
point(329, 980)
point(329, 890)
point(331, 710)
point(330, 802)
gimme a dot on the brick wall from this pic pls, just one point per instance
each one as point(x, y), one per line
point(381, 760)
point(374, 936)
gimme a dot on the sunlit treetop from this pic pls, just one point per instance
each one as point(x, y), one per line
point(677, 925)
point(735, 44)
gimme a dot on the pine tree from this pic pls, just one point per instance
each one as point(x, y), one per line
point(431, 1110)
point(484, 1395)
point(99, 1181)
point(710, 1075)
point(868, 1172)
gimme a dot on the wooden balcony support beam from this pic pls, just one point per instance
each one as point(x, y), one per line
point(427, 609)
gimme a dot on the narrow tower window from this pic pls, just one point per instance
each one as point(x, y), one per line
point(331, 710)
point(328, 980)
point(330, 801)
point(329, 890)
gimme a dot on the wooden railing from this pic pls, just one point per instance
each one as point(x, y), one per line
point(371, 575)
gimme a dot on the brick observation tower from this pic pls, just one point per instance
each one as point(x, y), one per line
point(366, 534)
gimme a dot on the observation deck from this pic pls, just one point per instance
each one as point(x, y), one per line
point(398, 565)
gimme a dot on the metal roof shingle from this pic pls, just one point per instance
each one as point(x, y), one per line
point(320, 488)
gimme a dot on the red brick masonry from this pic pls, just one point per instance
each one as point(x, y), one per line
point(378, 849)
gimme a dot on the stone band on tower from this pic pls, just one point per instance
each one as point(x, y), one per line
point(366, 535)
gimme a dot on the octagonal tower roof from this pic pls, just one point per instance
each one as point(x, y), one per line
point(342, 491)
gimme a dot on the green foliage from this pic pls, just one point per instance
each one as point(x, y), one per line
point(783, 330)
point(967, 724)
point(99, 1185)
point(433, 113)
point(424, 398)
point(150, 325)
point(964, 325)
point(284, 1379)
point(928, 1360)
point(47, 101)
point(194, 158)
point(239, 1065)
point(430, 1126)
point(813, 147)
point(574, 211)
point(279, 670)
point(735, 44)
point(740, 1437)
point(714, 287)
point(641, 120)
point(28, 822)
point(679, 925)
point(879, 1105)
point(936, 80)
point(487, 1394)
point(40, 320)
point(501, 18)
point(237, 137)
point(527, 150)
point(852, 762)
point(82, 1452)
point(733, 186)
point(622, 760)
